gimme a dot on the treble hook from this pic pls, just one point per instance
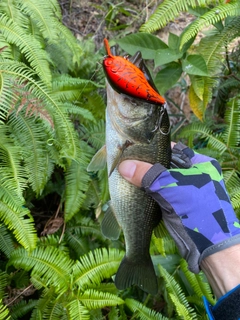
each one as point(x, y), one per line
point(162, 112)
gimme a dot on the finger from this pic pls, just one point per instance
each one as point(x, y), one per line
point(134, 170)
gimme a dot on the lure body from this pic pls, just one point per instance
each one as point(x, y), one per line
point(125, 77)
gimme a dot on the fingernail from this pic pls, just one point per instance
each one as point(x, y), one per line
point(127, 168)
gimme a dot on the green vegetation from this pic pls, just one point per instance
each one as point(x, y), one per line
point(55, 264)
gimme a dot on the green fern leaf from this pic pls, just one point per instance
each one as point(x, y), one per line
point(231, 135)
point(93, 299)
point(41, 13)
point(182, 311)
point(17, 218)
point(52, 265)
point(71, 42)
point(96, 266)
point(6, 242)
point(216, 14)
point(197, 282)
point(201, 130)
point(66, 139)
point(66, 88)
point(166, 11)
point(235, 198)
point(78, 311)
point(12, 173)
point(95, 134)
point(77, 110)
point(3, 283)
point(22, 308)
point(29, 47)
point(142, 312)
point(177, 295)
point(32, 141)
point(4, 313)
point(231, 178)
point(77, 181)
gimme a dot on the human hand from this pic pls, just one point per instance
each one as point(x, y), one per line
point(195, 206)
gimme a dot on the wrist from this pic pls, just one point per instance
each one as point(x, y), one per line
point(222, 270)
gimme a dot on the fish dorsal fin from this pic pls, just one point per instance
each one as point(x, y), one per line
point(99, 160)
point(110, 226)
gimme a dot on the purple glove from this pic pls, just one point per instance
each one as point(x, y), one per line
point(196, 208)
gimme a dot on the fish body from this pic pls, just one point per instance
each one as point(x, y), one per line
point(140, 130)
point(125, 77)
point(134, 130)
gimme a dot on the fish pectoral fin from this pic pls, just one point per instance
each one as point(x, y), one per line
point(110, 227)
point(119, 154)
point(99, 160)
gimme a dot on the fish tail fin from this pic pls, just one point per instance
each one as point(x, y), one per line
point(140, 273)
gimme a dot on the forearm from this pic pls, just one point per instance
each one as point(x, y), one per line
point(222, 270)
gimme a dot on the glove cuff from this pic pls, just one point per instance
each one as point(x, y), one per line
point(220, 246)
point(227, 307)
point(151, 175)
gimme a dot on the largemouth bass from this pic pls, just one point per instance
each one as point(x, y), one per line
point(140, 130)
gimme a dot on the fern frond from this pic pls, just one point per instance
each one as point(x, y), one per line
point(17, 218)
point(71, 42)
point(235, 198)
point(66, 88)
point(142, 312)
point(32, 141)
point(96, 266)
point(231, 178)
point(42, 14)
point(201, 130)
point(78, 311)
point(177, 295)
point(6, 242)
point(28, 45)
point(93, 299)
point(165, 12)
point(231, 134)
point(95, 134)
point(50, 264)
point(3, 283)
point(197, 282)
point(77, 234)
point(181, 309)
point(12, 173)
point(22, 308)
point(4, 312)
point(77, 110)
point(66, 139)
point(211, 17)
point(77, 181)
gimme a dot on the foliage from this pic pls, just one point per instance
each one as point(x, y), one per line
point(55, 263)
point(211, 66)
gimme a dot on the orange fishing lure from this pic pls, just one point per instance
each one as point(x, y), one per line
point(127, 78)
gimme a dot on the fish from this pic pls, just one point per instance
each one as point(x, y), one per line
point(140, 130)
point(131, 78)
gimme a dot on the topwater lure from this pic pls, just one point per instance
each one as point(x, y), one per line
point(130, 79)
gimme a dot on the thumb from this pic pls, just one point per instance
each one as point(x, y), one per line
point(134, 170)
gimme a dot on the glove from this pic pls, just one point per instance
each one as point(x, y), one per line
point(196, 208)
